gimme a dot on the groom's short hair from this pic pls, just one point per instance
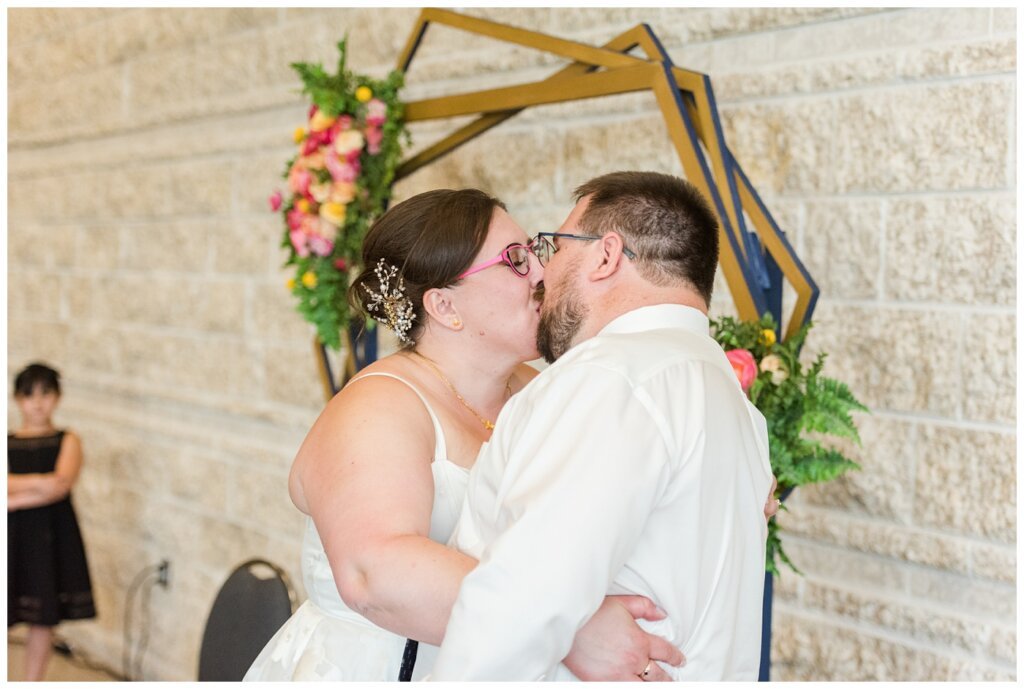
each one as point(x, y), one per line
point(664, 219)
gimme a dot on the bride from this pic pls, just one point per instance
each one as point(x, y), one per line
point(383, 471)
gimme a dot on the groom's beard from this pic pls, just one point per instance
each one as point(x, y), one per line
point(560, 321)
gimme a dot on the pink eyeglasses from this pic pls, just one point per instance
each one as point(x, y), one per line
point(516, 257)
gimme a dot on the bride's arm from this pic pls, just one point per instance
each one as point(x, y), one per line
point(364, 474)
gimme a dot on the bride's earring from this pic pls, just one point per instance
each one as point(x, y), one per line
point(456, 323)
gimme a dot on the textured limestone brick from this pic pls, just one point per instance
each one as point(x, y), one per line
point(1004, 19)
point(990, 368)
point(959, 249)
point(808, 649)
point(260, 500)
point(37, 295)
point(998, 55)
point(992, 561)
point(870, 535)
point(33, 247)
point(179, 246)
point(274, 317)
point(989, 599)
point(292, 374)
point(784, 147)
point(836, 564)
point(966, 482)
point(881, 30)
point(922, 622)
point(919, 139)
point(98, 247)
point(885, 485)
point(134, 34)
point(26, 25)
point(592, 149)
point(883, 364)
point(77, 51)
point(836, 232)
point(96, 98)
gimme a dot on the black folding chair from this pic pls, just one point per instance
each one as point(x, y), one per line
point(249, 609)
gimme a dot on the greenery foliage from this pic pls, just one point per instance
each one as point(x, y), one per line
point(803, 408)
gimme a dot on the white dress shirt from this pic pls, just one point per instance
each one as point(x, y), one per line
point(633, 464)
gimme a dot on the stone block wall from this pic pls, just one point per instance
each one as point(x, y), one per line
point(142, 261)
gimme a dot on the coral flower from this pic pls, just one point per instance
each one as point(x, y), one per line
point(299, 179)
point(343, 192)
point(309, 279)
point(744, 366)
point(275, 200)
point(363, 94)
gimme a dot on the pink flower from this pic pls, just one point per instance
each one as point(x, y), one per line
point(294, 219)
point(298, 238)
point(340, 171)
point(373, 138)
point(341, 265)
point(345, 122)
point(744, 366)
point(275, 200)
point(320, 246)
point(376, 112)
point(312, 111)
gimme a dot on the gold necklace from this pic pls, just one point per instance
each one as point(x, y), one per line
point(489, 425)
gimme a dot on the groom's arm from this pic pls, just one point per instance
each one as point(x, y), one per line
point(580, 484)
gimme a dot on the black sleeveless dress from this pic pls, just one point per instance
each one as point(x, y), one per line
point(47, 574)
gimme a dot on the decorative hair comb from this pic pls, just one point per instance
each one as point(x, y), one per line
point(390, 302)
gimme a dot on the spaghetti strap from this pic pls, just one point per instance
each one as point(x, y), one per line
point(440, 450)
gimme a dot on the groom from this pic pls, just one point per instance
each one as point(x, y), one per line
point(663, 501)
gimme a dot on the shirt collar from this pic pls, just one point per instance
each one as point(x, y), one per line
point(659, 317)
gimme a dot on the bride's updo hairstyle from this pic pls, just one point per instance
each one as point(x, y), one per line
point(431, 239)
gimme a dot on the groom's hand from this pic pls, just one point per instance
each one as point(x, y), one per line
point(612, 647)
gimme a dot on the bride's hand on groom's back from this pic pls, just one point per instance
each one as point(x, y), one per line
point(611, 646)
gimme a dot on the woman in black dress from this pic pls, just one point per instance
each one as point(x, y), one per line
point(47, 574)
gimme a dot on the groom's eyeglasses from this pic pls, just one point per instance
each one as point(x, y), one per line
point(550, 247)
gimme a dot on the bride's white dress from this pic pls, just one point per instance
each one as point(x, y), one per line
point(324, 639)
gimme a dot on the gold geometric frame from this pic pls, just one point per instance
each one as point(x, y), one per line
point(753, 265)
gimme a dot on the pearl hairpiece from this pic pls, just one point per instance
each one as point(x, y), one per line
point(392, 303)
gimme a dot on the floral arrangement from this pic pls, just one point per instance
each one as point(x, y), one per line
point(339, 182)
point(802, 407)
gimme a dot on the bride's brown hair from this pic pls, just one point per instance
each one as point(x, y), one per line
point(431, 238)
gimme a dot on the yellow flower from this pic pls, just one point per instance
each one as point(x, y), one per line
point(767, 337)
point(300, 135)
point(302, 205)
point(333, 213)
point(309, 279)
point(290, 284)
point(364, 94)
point(321, 121)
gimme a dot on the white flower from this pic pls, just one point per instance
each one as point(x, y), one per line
point(773, 363)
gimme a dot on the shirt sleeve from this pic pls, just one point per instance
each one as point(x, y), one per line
point(581, 477)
